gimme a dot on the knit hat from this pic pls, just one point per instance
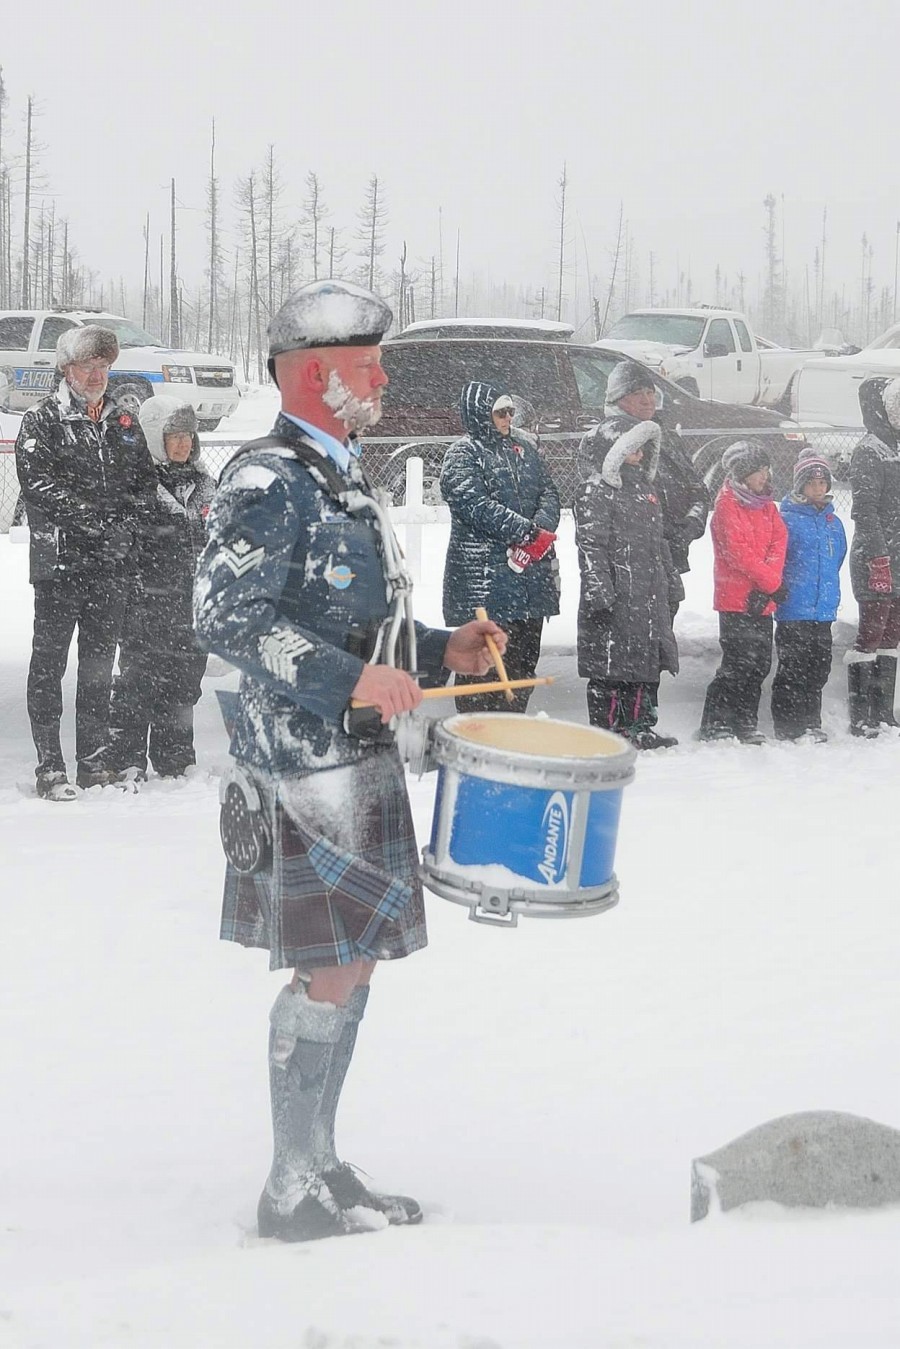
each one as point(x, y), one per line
point(627, 377)
point(328, 314)
point(90, 343)
point(810, 465)
point(745, 457)
point(891, 398)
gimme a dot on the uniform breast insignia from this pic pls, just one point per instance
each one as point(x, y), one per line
point(340, 576)
point(280, 650)
point(241, 556)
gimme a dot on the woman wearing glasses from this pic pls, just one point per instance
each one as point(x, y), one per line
point(504, 510)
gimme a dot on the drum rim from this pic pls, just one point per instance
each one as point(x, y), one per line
point(598, 772)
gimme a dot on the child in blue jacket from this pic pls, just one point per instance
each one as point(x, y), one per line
point(817, 546)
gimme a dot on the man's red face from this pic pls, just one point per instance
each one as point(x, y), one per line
point(356, 379)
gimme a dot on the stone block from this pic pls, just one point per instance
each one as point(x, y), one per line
point(809, 1160)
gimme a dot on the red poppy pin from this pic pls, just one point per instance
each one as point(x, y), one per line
point(654, 499)
point(125, 419)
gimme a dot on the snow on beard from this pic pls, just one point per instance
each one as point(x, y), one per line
point(356, 413)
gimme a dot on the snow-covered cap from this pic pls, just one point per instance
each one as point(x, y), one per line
point(329, 314)
point(163, 415)
point(90, 343)
point(745, 457)
point(627, 377)
point(811, 465)
point(891, 397)
point(504, 404)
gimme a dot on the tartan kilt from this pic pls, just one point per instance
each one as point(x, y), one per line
point(343, 880)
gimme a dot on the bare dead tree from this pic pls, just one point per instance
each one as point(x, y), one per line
point(371, 225)
point(615, 267)
point(313, 215)
point(562, 184)
point(26, 233)
point(215, 253)
point(146, 270)
point(174, 306)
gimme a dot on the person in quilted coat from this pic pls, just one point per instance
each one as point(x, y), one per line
point(817, 546)
point(624, 620)
point(504, 510)
point(875, 558)
point(749, 547)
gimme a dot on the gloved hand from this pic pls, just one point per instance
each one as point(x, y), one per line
point(880, 579)
point(521, 555)
point(117, 541)
point(780, 595)
point(757, 601)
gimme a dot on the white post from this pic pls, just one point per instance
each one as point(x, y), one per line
point(415, 500)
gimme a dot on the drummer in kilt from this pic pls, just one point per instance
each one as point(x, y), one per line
point(291, 589)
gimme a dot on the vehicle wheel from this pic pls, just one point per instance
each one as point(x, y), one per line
point(209, 424)
point(690, 386)
point(393, 478)
point(129, 394)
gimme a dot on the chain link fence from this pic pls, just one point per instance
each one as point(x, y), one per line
point(385, 459)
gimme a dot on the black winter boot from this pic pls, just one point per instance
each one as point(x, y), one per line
point(860, 674)
point(884, 684)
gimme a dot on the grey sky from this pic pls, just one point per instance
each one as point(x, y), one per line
point(689, 113)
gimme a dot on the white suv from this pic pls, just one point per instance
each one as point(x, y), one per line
point(28, 340)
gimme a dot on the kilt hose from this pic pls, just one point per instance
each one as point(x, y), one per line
point(343, 881)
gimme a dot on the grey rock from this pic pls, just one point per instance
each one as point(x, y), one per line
point(809, 1160)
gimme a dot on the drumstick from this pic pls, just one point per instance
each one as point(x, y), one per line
point(481, 615)
point(464, 690)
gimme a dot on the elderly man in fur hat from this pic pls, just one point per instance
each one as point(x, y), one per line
point(323, 867)
point(88, 485)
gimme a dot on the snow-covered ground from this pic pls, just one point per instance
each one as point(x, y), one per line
point(542, 1090)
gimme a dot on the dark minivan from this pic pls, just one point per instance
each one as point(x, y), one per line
point(566, 387)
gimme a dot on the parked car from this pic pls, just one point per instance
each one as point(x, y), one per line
point(828, 388)
point(526, 330)
point(566, 387)
point(712, 353)
point(28, 340)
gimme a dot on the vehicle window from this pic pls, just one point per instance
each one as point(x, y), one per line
point(129, 334)
point(15, 333)
point(743, 333)
point(591, 375)
point(433, 376)
point(679, 329)
point(51, 331)
point(720, 335)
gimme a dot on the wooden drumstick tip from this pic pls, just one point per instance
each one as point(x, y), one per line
point(482, 617)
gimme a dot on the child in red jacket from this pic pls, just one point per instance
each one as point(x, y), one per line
point(749, 547)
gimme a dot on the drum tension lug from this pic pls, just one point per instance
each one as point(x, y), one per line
point(494, 909)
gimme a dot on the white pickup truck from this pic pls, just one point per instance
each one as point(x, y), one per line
point(28, 340)
point(711, 353)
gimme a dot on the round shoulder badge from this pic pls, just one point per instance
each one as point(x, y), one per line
point(340, 577)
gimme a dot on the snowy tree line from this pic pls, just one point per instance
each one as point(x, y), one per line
point(258, 248)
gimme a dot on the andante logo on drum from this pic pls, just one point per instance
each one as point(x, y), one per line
point(555, 829)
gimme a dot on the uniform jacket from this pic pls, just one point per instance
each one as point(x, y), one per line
point(289, 589)
point(499, 492)
point(624, 623)
point(749, 547)
point(682, 493)
point(80, 479)
point(816, 548)
point(875, 482)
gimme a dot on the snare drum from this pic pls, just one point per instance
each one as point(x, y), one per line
point(526, 816)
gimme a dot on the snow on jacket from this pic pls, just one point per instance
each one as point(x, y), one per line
point(749, 546)
point(499, 492)
point(291, 590)
point(167, 554)
point(80, 480)
point(816, 548)
point(875, 482)
point(624, 623)
point(682, 493)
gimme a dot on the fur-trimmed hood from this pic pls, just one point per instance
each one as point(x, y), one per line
point(164, 415)
point(875, 418)
point(644, 436)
